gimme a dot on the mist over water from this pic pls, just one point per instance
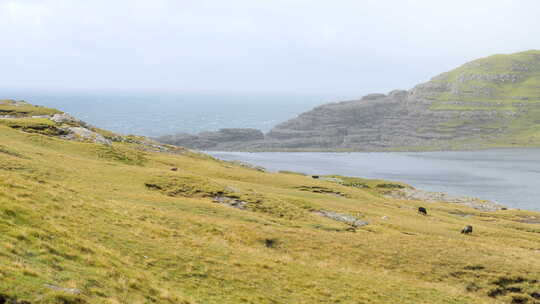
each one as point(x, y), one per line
point(507, 176)
point(156, 113)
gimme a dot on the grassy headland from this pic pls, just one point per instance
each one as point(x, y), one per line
point(83, 222)
point(492, 102)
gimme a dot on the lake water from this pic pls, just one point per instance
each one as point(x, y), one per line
point(507, 176)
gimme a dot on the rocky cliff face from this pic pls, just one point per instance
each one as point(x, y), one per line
point(224, 139)
point(493, 101)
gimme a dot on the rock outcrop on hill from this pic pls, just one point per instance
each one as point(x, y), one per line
point(489, 102)
point(30, 118)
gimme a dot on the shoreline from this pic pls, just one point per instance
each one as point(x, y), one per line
point(495, 148)
point(467, 183)
point(443, 197)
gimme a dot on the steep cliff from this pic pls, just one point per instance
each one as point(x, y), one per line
point(224, 139)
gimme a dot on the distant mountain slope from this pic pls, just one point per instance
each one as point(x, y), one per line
point(489, 102)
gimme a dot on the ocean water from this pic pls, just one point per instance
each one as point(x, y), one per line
point(507, 176)
point(156, 113)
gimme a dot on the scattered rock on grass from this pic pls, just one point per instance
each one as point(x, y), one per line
point(248, 165)
point(233, 202)
point(84, 134)
point(461, 213)
point(63, 289)
point(332, 179)
point(344, 218)
point(434, 197)
point(529, 220)
point(321, 190)
point(66, 118)
point(231, 189)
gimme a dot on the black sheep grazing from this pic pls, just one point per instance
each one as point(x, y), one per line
point(467, 229)
point(422, 210)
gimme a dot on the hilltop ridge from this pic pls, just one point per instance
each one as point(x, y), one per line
point(489, 102)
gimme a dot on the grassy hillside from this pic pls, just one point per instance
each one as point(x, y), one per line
point(504, 91)
point(500, 79)
point(83, 222)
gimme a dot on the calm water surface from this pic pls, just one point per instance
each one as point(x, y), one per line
point(510, 176)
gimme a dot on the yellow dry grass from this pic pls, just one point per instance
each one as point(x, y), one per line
point(79, 215)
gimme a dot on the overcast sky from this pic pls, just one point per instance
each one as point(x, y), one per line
point(301, 46)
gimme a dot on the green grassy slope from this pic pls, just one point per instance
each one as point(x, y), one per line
point(505, 88)
point(116, 224)
point(21, 109)
point(500, 79)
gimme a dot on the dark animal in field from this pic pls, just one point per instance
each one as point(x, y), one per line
point(422, 210)
point(467, 229)
point(174, 169)
point(315, 176)
point(270, 243)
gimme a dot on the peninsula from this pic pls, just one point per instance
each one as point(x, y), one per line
point(487, 103)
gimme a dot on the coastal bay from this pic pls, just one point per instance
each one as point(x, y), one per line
point(510, 177)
